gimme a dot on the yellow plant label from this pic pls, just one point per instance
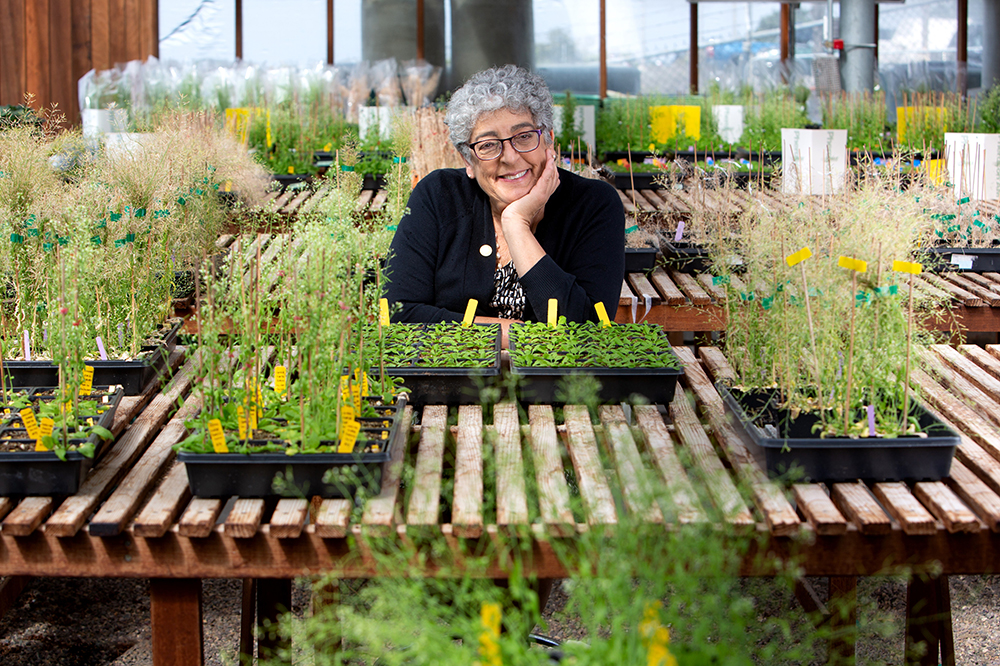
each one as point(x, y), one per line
point(241, 421)
point(345, 392)
point(218, 437)
point(364, 384)
point(346, 414)
point(348, 436)
point(470, 313)
point(280, 376)
point(798, 257)
point(489, 639)
point(852, 264)
point(328, 147)
point(911, 267)
point(45, 430)
point(602, 314)
point(553, 312)
point(356, 394)
point(30, 424)
point(655, 637)
point(383, 311)
point(228, 187)
point(88, 380)
point(291, 169)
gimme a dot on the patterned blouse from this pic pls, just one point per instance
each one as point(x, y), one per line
point(508, 296)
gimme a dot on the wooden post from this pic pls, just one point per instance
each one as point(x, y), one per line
point(786, 20)
point(175, 618)
point(247, 618)
point(274, 597)
point(239, 29)
point(329, 32)
point(843, 606)
point(693, 10)
point(928, 621)
point(420, 29)
point(962, 47)
point(603, 51)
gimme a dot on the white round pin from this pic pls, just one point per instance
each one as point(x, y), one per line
point(486, 250)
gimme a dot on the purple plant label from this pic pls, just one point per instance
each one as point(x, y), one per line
point(680, 232)
point(840, 364)
point(121, 335)
point(100, 348)
point(871, 420)
point(27, 346)
point(45, 334)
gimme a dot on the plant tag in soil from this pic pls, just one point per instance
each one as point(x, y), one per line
point(361, 378)
point(280, 376)
point(470, 313)
point(241, 421)
point(490, 615)
point(911, 267)
point(655, 637)
point(798, 257)
point(383, 311)
point(100, 348)
point(44, 430)
point(88, 380)
point(680, 232)
point(602, 314)
point(553, 312)
point(218, 437)
point(852, 264)
point(27, 346)
point(30, 424)
point(348, 436)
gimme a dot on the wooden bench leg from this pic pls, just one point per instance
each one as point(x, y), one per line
point(324, 603)
point(247, 618)
point(843, 605)
point(175, 614)
point(274, 597)
point(928, 622)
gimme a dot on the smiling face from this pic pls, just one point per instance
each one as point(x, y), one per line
point(513, 174)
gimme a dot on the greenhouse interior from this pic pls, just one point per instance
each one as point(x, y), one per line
point(271, 394)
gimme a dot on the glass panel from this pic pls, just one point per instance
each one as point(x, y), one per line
point(197, 30)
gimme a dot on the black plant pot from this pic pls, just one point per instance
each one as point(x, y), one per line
point(686, 257)
point(640, 259)
point(977, 259)
point(798, 452)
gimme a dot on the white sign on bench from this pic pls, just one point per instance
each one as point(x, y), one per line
point(813, 161)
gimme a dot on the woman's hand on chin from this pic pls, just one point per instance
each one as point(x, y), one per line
point(528, 210)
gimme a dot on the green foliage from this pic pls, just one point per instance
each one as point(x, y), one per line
point(765, 117)
point(569, 134)
point(927, 116)
point(989, 111)
point(589, 344)
point(862, 115)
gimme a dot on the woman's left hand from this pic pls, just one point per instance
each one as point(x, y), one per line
point(528, 210)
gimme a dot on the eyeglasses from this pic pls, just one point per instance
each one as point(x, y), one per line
point(522, 142)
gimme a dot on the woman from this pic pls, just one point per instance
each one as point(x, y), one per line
point(512, 230)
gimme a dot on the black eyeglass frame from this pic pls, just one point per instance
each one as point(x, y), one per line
point(510, 140)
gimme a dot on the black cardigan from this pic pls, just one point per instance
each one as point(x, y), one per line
point(436, 264)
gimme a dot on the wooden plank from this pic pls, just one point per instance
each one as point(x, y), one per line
point(289, 518)
point(855, 502)
point(27, 516)
point(245, 518)
point(625, 296)
point(964, 296)
point(581, 443)
point(773, 505)
point(380, 511)
point(175, 620)
point(13, 75)
point(962, 388)
point(72, 514)
point(683, 500)
point(639, 201)
point(425, 499)
point(671, 294)
point(643, 289)
point(974, 492)
point(982, 358)
point(716, 364)
point(553, 492)
point(946, 506)
point(378, 201)
point(971, 455)
point(990, 297)
point(364, 200)
point(815, 504)
point(7, 505)
point(964, 366)
point(630, 208)
point(165, 505)
point(691, 288)
point(467, 507)
point(717, 292)
point(633, 478)
point(721, 488)
point(897, 499)
point(932, 290)
point(975, 426)
point(62, 85)
point(333, 518)
point(512, 503)
point(199, 518)
point(37, 64)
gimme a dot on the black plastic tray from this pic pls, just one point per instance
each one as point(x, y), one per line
point(253, 474)
point(686, 257)
point(841, 458)
point(640, 259)
point(544, 385)
point(132, 376)
point(447, 386)
point(639, 180)
point(42, 472)
point(975, 259)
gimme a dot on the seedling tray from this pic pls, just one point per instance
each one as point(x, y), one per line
point(807, 457)
point(328, 475)
point(978, 259)
point(132, 376)
point(42, 472)
point(686, 257)
point(540, 384)
point(447, 386)
point(640, 259)
point(639, 180)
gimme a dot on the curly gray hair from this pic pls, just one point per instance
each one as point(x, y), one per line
point(508, 87)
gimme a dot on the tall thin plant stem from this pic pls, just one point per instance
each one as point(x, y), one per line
point(850, 354)
point(909, 338)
